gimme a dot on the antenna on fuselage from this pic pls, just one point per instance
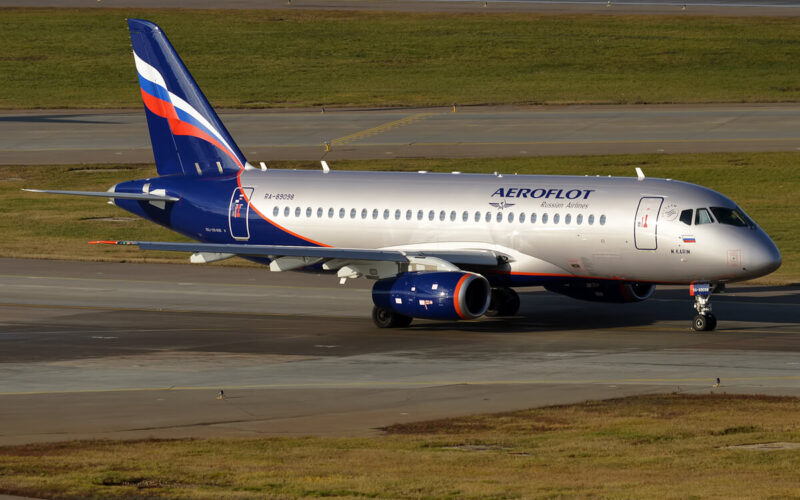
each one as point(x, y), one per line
point(639, 174)
point(325, 167)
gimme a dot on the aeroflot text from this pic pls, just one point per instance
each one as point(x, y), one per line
point(554, 193)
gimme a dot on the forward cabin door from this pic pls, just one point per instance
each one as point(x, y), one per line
point(238, 213)
point(645, 227)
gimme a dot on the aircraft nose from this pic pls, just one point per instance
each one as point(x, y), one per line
point(763, 258)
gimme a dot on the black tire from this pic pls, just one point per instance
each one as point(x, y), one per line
point(712, 322)
point(700, 323)
point(504, 302)
point(386, 318)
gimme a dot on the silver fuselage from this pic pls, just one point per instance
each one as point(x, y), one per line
point(599, 227)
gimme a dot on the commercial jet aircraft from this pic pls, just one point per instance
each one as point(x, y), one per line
point(440, 246)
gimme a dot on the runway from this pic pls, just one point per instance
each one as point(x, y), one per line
point(100, 350)
point(50, 136)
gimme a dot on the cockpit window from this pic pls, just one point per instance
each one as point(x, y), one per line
point(686, 216)
point(732, 217)
point(703, 217)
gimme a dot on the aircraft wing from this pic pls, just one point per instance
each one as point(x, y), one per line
point(472, 257)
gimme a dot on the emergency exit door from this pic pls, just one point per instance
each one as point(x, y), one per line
point(238, 213)
point(645, 228)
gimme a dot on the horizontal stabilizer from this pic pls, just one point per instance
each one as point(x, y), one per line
point(109, 194)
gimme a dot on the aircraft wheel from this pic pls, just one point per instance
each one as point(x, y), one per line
point(712, 322)
point(701, 323)
point(504, 302)
point(386, 318)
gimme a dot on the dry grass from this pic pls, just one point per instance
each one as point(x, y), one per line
point(667, 446)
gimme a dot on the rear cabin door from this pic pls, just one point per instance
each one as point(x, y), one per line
point(645, 228)
point(238, 213)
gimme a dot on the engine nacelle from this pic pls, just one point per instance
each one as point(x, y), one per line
point(604, 291)
point(434, 295)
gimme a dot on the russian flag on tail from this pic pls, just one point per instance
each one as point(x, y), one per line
point(188, 137)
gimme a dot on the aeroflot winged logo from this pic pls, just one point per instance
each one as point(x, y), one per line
point(182, 117)
point(552, 193)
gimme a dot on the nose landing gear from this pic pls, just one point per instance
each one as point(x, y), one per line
point(705, 320)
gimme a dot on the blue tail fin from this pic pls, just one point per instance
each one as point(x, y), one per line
point(187, 136)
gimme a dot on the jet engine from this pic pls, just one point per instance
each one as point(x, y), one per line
point(433, 295)
point(604, 291)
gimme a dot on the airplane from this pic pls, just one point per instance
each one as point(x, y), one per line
point(447, 246)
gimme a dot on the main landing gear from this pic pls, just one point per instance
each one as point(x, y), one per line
point(386, 318)
point(504, 302)
point(705, 320)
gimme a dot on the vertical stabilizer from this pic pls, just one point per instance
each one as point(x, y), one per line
point(187, 136)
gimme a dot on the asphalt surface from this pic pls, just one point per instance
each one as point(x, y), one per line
point(625, 7)
point(47, 137)
point(97, 350)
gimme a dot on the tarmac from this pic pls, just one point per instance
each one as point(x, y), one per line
point(119, 351)
point(83, 136)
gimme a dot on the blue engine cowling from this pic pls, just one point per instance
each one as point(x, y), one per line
point(434, 295)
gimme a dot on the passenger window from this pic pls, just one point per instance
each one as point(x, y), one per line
point(579, 219)
point(686, 216)
point(602, 220)
point(386, 213)
point(374, 213)
point(286, 212)
point(297, 212)
point(522, 217)
point(330, 213)
point(308, 212)
point(276, 211)
point(567, 219)
point(419, 215)
point(431, 215)
point(465, 216)
point(591, 219)
point(352, 213)
point(488, 217)
point(556, 218)
point(363, 213)
point(441, 215)
point(452, 215)
point(702, 216)
point(533, 217)
point(510, 216)
point(544, 218)
point(319, 212)
point(408, 214)
point(477, 216)
point(341, 213)
point(499, 216)
point(397, 214)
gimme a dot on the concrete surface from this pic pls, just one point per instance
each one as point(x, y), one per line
point(97, 350)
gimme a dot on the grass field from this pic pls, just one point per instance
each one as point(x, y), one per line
point(766, 185)
point(81, 58)
point(644, 447)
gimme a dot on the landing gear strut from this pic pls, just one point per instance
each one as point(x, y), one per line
point(504, 302)
point(704, 321)
point(386, 318)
